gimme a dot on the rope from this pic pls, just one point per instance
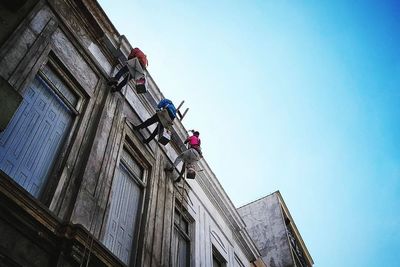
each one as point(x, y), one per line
point(91, 243)
point(180, 217)
point(181, 208)
point(97, 207)
point(101, 192)
point(91, 238)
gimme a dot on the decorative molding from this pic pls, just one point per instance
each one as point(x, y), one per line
point(219, 240)
point(212, 188)
point(71, 238)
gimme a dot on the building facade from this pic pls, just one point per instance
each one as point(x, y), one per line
point(78, 187)
point(269, 223)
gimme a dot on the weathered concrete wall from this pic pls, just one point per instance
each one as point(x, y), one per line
point(19, 248)
point(12, 12)
point(212, 228)
point(9, 103)
point(265, 224)
point(79, 192)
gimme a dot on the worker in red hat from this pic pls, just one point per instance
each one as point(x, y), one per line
point(135, 53)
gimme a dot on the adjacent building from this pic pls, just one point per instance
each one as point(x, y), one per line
point(270, 225)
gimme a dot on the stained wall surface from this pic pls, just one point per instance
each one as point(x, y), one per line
point(70, 214)
point(265, 224)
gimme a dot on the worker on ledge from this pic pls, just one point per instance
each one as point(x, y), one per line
point(135, 53)
point(189, 157)
point(166, 113)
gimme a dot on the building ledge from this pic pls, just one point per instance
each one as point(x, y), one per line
point(27, 216)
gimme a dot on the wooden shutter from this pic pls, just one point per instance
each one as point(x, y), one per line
point(31, 142)
point(124, 208)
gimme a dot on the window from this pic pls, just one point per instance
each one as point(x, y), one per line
point(181, 240)
point(125, 204)
point(217, 262)
point(32, 141)
point(217, 259)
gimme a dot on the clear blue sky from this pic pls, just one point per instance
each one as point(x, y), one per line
point(300, 96)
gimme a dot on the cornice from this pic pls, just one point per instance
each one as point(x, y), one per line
point(96, 20)
point(71, 238)
point(217, 195)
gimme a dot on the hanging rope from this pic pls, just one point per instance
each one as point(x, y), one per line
point(92, 241)
point(181, 206)
point(90, 238)
point(180, 217)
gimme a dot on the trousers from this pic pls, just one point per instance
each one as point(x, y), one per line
point(119, 74)
point(188, 156)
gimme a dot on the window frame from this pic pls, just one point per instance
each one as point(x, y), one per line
point(215, 254)
point(48, 187)
point(238, 261)
point(57, 66)
point(65, 76)
point(142, 182)
point(190, 234)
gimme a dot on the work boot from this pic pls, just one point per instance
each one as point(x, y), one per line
point(112, 81)
point(115, 88)
point(169, 169)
